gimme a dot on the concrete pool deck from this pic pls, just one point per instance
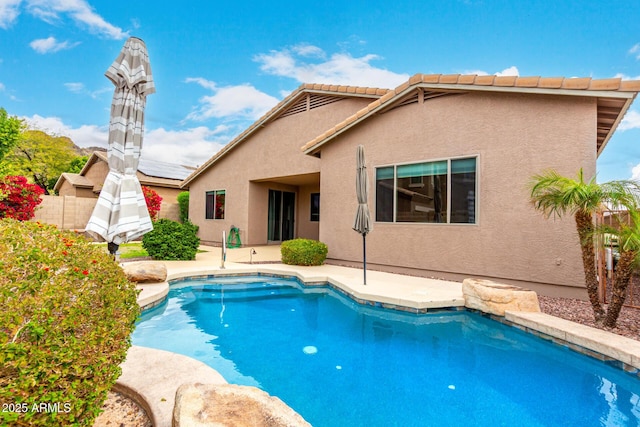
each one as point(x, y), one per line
point(152, 377)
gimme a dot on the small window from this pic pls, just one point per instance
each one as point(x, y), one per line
point(315, 207)
point(214, 204)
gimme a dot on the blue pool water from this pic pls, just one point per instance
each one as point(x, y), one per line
point(339, 363)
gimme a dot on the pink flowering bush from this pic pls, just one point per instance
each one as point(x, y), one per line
point(66, 314)
point(18, 198)
point(154, 202)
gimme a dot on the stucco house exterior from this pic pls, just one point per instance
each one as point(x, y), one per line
point(449, 160)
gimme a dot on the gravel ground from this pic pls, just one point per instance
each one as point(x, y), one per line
point(579, 311)
point(119, 411)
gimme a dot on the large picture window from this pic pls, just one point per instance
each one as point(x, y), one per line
point(214, 204)
point(441, 191)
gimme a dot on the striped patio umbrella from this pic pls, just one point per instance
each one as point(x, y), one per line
point(121, 212)
point(362, 223)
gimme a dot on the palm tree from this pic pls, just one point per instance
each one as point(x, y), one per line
point(628, 235)
point(557, 195)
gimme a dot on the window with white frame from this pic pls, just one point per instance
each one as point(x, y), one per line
point(214, 204)
point(442, 191)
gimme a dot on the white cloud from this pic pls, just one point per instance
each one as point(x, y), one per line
point(51, 11)
point(50, 44)
point(339, 68)
point(635, 50)
point(84, 136)
point(75, 87)
point(9, 11)
point(631, 121)
point(191, 147)
point(309, 50)
point(79, 88)
point(511, 71)
point(242, 102)
point(635, 172)
point(626, 77)
point(1, 87)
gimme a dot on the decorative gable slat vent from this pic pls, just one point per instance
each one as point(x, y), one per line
point(298, 107)
point(426, 95)
point(413, 99)
point(316, 100)
point(309, 102)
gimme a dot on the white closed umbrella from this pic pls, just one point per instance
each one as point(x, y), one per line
point(362, 223)
point(121, 212)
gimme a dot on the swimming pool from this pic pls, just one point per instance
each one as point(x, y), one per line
point(339, 363)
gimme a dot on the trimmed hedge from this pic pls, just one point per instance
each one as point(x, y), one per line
point(303, 252)
point(66, 314)
point(171, 240)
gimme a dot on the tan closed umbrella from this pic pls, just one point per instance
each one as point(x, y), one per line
point(121, 212)
point(362, 223)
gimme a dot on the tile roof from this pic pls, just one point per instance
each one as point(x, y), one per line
point(75, 179)
point(614, 97)
point(336, 90)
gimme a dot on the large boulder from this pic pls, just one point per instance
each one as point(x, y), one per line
point(229, 405)
point(496, 298)
point(145, 271)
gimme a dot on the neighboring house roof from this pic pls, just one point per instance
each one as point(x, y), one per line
point(295, 102)
point(74, 179)
point(614, 96)
point(150, 172)
point(150, 168)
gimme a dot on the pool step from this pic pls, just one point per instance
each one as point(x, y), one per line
point(245, 292)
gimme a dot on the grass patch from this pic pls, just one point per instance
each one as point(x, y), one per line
point(129, 250)
point(133, 250)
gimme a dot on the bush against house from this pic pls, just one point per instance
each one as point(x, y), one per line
point(66, 314)
point(303, 252)
point(171, 240)
point(183, 203)
point(18, 198)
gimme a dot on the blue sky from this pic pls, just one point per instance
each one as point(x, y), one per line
point(218, 66)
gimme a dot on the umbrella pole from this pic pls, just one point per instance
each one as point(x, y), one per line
point(364, 257)
point(113, 249)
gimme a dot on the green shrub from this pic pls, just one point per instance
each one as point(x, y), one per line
point(66, 314)
point(303, 252)
point(171, 240)
point(183, 203)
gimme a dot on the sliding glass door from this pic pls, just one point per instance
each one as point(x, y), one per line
point(281, 215)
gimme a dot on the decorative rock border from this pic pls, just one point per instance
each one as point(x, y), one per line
point(496, 298)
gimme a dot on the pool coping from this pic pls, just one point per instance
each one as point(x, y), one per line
point(613, 349)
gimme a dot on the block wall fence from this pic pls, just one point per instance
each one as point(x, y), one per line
point(73, 213)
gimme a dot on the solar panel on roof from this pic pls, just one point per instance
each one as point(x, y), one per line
point(164, 170)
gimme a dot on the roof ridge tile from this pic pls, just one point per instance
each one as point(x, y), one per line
point(485, 80)
point(576, 83)
point(605, 84)
point(530, 81)
point(449, 78)
point(467, 79)
point(505, 80)
point(430, 78)
point(550, 82)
